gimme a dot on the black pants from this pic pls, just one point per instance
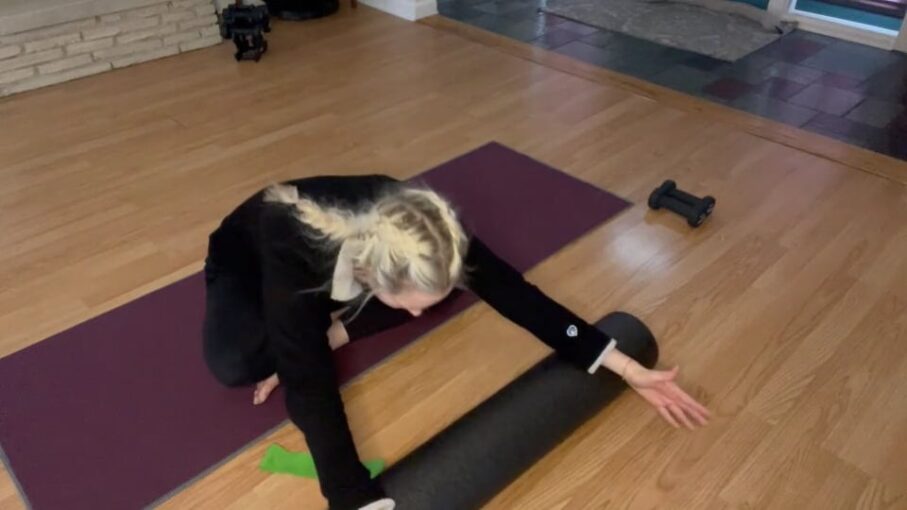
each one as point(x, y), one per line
point(236, 345)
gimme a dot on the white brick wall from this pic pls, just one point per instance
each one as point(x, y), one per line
point(145, 12)
point(30, 59)
point(44, 33)
point(17, 75)
point(122, 50)
point(132, 24)
point(100, 32)
point(176, 16)
point(181, 37)
point(10, 51)
point(148, 33)
point(191, 4)
point(52, 79)
point(200, 43)
point(65, 64)
point(204, 21)
point(46, 56)
point(53, 42)
point(145, 56)
point(89, 46)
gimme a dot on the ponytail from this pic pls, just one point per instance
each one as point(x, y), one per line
point(408, 238)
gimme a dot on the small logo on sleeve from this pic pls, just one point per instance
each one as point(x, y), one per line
point(572, 331)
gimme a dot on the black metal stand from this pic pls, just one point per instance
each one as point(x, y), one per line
point(246, 25)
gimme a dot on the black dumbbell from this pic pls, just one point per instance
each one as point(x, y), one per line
point(694, 209)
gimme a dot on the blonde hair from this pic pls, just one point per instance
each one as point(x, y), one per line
point(408, 238)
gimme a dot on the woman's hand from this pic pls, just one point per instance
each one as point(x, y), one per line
point(337, 337)
point(264, 388)
point(660, 390)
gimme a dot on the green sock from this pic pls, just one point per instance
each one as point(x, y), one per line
point(279, 460)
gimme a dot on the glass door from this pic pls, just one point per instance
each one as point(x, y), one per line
point(883, 15)
point(901, 43)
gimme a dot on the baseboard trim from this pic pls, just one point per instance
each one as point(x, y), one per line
point(411, 10)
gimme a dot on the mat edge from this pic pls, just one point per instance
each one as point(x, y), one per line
point(12, 476)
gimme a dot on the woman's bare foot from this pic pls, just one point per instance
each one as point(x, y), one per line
point(264, 388)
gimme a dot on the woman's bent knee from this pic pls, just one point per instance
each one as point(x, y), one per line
point(230, 373)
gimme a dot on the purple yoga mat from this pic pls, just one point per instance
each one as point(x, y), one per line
point(119, 411)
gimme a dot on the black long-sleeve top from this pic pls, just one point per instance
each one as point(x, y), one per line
point(265, 243)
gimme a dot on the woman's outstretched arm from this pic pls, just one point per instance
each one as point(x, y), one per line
point(575, 340)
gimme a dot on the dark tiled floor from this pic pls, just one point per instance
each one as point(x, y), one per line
point(780, 88)
point(836, 88)
point(827, 99)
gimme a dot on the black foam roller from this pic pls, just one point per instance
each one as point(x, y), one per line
point(478, 455)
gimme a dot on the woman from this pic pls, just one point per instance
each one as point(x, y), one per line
point(291, 274)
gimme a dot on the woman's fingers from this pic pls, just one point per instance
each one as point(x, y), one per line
point(667, 416)
point(700, 419)
point(687, 408)
point(654, 397)
point(681, 415)
point(688, 402)
point(674, 405)
point(692, 402)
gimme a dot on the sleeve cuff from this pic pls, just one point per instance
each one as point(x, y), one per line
point(381, 504)
point(598, 361)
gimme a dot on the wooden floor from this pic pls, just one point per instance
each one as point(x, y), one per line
point(787, 312)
